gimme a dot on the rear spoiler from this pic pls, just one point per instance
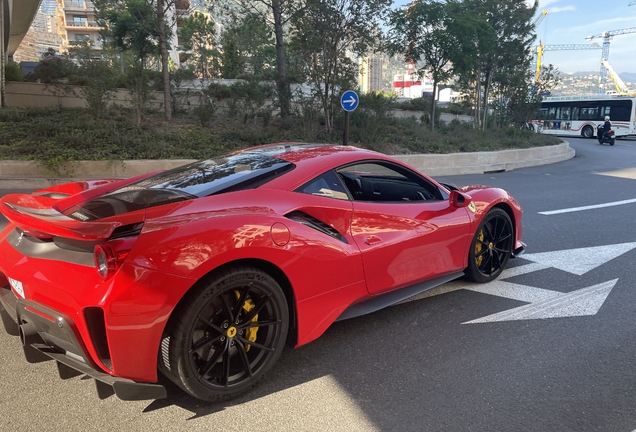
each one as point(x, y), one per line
point(48, 222)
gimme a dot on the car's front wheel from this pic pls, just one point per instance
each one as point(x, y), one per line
point(491, 247)
point(225, 334)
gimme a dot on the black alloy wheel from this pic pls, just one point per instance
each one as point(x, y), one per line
point(226, 334)
point(491, 247)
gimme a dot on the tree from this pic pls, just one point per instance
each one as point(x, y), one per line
point(162, 34)
point(140, 26)
point(276, 14)
point(525, 99)
point(247, 49)
point(96, 76)
point(198, 34)
point(325, 33)
point(502, 43)
point(130, 25)
point(422, 33)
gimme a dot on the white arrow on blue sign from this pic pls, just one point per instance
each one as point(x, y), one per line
point(349, 100)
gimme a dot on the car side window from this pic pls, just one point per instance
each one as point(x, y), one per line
point(326, 185)
point(386, 182)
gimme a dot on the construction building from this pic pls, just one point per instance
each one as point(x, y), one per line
point(370, 74)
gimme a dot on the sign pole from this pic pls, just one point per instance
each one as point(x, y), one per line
point(345, 138)
point(349, 102)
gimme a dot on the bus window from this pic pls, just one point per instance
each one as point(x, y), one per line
point(565, 113)
point(589, 113)
point(621, 110)
point(575, 113)
point(605, 111)
point(552, 113)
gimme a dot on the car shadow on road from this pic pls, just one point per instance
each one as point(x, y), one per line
point(394, 364)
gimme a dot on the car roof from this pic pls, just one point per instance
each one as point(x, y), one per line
point(313, 159)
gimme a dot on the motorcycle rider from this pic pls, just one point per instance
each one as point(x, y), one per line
point(606, 128)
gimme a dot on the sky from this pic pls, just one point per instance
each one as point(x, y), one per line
point(571, 21)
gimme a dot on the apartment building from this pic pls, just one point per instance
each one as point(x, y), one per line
point(76, 22)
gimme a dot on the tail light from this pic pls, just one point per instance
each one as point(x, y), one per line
point(110, 255)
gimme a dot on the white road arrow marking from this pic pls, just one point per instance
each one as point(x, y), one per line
point(544, 303)
point(582, 260)
point(582, 302)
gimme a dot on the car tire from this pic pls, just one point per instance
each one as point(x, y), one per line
point(587, 132)
point(491, 247)
point(225, 334)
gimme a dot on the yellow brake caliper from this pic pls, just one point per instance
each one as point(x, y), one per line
point(250, 333)
point(478, 247)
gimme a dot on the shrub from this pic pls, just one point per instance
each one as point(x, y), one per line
point(13, 72)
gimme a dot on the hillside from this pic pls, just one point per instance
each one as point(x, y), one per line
point(586, 83)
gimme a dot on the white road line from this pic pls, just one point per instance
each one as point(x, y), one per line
point(590, 207)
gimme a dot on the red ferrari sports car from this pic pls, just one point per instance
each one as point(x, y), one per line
point(205, 272)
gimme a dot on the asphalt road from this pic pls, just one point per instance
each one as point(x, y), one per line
point(550, 347)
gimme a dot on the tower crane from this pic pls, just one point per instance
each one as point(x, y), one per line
point(541, 48)
point(605, 55)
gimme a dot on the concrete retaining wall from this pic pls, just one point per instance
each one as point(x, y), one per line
point(27, 175)
point(481, 162)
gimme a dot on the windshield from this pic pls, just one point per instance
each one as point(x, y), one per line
point(204, 178)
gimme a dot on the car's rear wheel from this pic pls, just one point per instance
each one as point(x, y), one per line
point(491, 247)
point(226, 334)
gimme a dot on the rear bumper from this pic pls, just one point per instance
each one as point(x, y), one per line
point(47, 334)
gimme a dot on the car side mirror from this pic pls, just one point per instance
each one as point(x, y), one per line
point(458, 199)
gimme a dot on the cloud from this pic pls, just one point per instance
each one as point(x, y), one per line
point(604, 25)
point(561, 9)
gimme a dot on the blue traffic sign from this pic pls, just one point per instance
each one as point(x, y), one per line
point(349, 100)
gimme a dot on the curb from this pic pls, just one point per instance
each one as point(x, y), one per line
point(26, 175)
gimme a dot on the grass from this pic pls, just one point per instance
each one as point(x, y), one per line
point(51, 136)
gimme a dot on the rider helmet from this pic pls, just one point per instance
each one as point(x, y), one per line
point(607, 118)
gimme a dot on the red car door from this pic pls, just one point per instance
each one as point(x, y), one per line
point(406, 229)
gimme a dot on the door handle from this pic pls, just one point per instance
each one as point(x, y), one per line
point(370, 240)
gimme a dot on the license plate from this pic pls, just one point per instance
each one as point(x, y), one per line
point(17, 287)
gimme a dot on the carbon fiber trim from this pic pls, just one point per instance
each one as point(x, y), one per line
point(36, 248)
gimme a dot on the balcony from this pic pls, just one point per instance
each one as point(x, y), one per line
point(71, 6)
point(82, 25)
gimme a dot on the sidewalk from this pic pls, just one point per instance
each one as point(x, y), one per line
point(26, 175)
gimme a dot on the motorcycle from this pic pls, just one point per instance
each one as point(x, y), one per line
point(608, 137)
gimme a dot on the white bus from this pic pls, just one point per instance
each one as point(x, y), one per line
point(580, 115)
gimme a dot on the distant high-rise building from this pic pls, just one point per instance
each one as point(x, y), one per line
point(40, 37)
point(375, 74)
point(370, 74)
point(47, 7)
